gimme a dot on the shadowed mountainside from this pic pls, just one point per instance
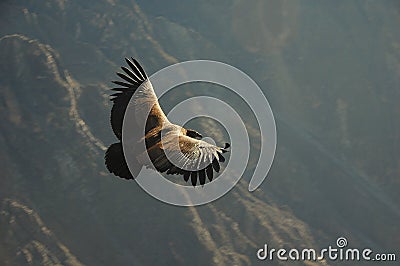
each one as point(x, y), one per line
point(76, 209)
point(28, 239)
point(334, 174)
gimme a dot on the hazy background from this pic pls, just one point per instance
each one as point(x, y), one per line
point(331, 72)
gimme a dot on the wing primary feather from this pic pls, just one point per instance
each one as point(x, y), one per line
point(210, 173)
point(118, 89)
point(202, 176)
point(121, 83)
point(135, 68)
point(131, 73)
point(140, 68)
point(215, 165)
point(193, 177)
point(221, 158)
point(186, 175)
point(125, 77)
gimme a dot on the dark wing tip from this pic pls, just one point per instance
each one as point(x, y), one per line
point(132, 77)
point(202, 176)
point(215, 165)
point(193, 178)
point(210, 173)
point(220, 157)
point(126, 78)
point(121, 83)
point(186, 175)
point(139, 67)
point(136, 67)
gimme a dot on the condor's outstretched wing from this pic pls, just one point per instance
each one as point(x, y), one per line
point(180, 154)
point(135, 82)
point(177, 152)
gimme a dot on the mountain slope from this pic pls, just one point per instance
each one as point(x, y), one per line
point(332, 168)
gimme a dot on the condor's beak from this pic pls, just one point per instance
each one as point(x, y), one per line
point(225, 149)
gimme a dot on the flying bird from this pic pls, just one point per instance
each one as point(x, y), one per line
point(163, 146)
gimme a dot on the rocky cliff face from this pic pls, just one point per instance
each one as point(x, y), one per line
point(27, 240)
point(336, 170)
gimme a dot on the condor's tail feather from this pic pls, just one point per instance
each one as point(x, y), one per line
point(115, 161)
